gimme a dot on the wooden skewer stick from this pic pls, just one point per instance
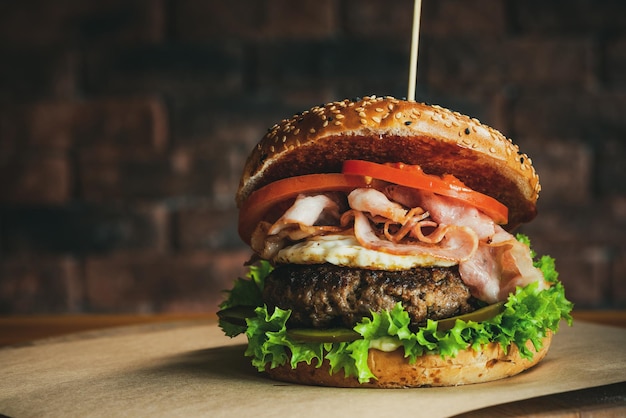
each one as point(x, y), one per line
point(417, 11)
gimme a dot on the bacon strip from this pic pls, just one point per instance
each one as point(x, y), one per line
point(518, 269)
point(449, 211)
point(297, 223)
point(305, 211)
point(267, 246)
point(377, 204)
point(434, 237)
point(416, 221)
point(497, 269)
point(459, 243)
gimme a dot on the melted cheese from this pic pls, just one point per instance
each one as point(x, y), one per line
point(344, 250)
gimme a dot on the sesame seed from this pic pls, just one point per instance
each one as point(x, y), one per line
point(340, 116)
point(359, 109)
point(376, 119)
point(379, 110)
point(362, 114)
point(390, 107)
point(363, 121)
point(284, 138)
point(325, 124)
point(492, 150)
point(398, 115)
point(337, 123)
point(312, 130)
point(296, 132)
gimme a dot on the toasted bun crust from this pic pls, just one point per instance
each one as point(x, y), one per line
point(394, 371)
point(390, 130)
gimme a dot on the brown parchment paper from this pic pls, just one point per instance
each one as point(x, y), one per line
point(193, 370)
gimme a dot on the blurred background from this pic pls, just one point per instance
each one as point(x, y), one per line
point(124, 126)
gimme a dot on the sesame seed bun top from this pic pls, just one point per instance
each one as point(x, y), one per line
point(390, 130)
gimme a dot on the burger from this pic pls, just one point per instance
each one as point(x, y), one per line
point(383, 251)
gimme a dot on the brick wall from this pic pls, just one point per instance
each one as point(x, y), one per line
point(124, 125)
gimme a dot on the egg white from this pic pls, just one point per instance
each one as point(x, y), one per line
point(344, 250)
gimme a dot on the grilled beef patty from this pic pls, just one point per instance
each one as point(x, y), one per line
point(325, 295)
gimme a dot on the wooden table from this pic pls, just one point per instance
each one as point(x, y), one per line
point(20, 329)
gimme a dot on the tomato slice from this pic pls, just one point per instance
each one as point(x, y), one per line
point(262, 200)
point(413, 176)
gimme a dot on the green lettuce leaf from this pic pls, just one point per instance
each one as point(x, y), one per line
point(245, 292)
point(528, 314)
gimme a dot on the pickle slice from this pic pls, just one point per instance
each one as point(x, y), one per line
point(236, 315)
point(331, 335)
point(478, 315)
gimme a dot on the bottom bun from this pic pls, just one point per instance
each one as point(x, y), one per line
point(393, 370)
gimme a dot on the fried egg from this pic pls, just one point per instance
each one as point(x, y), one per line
point(345, 250)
